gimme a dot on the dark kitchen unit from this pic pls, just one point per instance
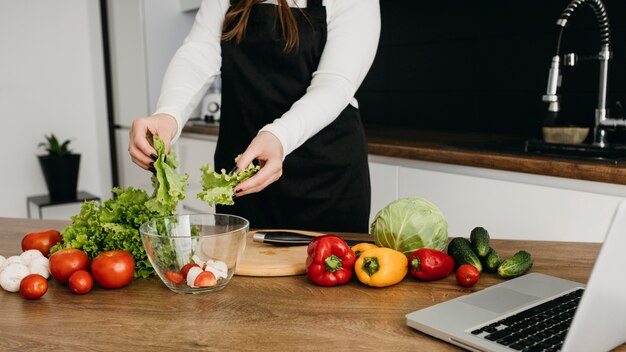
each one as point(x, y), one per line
point(482, 68)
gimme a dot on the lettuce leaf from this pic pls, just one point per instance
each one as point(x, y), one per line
point(169, 186)
point(218, 188)
point(114, 224)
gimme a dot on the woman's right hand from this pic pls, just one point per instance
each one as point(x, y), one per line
point(140, 146)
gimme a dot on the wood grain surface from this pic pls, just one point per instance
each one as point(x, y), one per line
point(252, 313)
point(261, 259)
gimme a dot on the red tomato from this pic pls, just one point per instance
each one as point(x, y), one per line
point(205, 279)
point(185, 270)
point(81, 282)
point(64, 262)
point(41, 241)
point(174, 277)
point(113, 269)
point(467, 275)
point(33, 286)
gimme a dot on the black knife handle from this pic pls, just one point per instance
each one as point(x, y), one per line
point(287, 238)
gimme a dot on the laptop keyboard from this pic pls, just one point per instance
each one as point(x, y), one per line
point(539, 328)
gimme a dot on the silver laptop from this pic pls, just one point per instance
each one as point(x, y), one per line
point(537, 312)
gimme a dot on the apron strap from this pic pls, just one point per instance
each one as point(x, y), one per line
point(313, 3)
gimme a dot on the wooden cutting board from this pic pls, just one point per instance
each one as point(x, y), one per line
point(261, 259)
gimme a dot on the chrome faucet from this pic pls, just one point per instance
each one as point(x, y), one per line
point(602, 120)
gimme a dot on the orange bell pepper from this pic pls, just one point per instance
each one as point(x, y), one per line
point(380, 267)
point(362, 247)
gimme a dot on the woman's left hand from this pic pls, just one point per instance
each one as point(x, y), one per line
point(266, 148)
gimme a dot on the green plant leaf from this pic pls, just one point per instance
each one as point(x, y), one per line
point(53, 147)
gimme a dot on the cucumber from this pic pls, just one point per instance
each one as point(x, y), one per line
point(479, 237)
point(517, 265)
point(460, 249)
point(491, 261)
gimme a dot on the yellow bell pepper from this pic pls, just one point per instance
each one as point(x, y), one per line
point(381, 267)
point(362, 247)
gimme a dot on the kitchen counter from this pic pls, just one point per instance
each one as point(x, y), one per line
point(278, 314)
point(457, 148)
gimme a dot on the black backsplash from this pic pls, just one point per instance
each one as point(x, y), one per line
point(482, 66)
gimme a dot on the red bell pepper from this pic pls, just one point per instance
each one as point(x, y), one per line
point(430, 264)
point(330, 261)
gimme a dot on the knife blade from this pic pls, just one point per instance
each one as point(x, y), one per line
point(286, 238)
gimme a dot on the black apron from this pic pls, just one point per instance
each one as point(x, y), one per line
point(325, 184)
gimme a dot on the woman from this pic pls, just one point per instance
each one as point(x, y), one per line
point(289, 75)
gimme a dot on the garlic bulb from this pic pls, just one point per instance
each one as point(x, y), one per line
point(12, 275)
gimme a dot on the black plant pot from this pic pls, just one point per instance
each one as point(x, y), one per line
point(61, 174)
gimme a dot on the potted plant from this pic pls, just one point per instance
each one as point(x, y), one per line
point(60, 169)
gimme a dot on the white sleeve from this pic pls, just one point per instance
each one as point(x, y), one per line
point(353, 33)
point(194, 65)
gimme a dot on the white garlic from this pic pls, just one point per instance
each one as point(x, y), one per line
point(15, 259)
point(217, 273)
point(218, 268)
point(29, 255)
point(12, 276)
point(41, 266)
point(3, 263)
point(192, 275)
point(197, 260)
point(218, 265)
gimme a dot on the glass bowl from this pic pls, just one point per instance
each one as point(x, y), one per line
point(181, 248)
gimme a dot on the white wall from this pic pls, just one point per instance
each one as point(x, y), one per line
point(51, 80)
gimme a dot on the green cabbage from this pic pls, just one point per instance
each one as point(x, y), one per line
point(409, 224)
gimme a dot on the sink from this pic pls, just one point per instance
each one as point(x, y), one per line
point(615, 154)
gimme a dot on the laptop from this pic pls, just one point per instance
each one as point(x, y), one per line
point(537, 312)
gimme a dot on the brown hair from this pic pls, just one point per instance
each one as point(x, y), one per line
point(239, 13)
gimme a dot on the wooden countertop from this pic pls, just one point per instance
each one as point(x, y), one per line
point(277, 314)
point(438, 146)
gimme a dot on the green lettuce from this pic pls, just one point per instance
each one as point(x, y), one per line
point(114, 224)
point(218, 188)
point(169, 186)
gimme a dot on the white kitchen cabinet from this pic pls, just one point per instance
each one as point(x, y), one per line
point(384, 180)
point(509, 205)
point(193, 151)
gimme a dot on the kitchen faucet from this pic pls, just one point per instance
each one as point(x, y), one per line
point(602, 120)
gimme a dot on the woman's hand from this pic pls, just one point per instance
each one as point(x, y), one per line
point(266, 148)
point(140, 146)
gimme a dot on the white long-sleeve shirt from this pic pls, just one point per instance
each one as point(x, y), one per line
point(352, 40)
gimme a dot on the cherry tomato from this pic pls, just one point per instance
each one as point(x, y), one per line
point(185, 270)
point(174, 277)
point(113, 269)
point(64, 262)
point(33, 286)
point(205, 279)
point(81, 282)
point(467, 275)
point(41, 241)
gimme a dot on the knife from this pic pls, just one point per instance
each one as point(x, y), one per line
point(286, 238)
